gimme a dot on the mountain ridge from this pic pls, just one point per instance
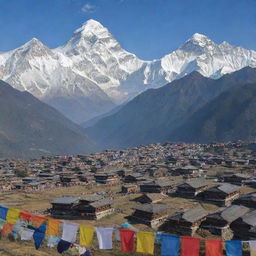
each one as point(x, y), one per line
point(155, 114)
point(93, 66)
point(30, 128)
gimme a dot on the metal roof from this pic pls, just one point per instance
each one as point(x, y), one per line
point(65, 200)
point(152, 208)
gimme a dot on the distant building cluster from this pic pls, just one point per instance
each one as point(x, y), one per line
point(206, 173)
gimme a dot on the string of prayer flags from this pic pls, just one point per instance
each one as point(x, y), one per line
point(145, 242)
point(69, 231)
point(104, 236)
point(12, 215)
point(3, 212)
point(39, 235)
point(170, 245)
point(53, 227)
point(127, 240)
point(252, 248)
point(86, 235)
point(214, 247)
point(63, 246)
point(234, 248)
point(190, 246)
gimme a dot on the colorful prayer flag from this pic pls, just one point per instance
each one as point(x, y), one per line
point(86, 235)
point(104, 236)
point(190, 246)
point(7, 229)
point(170, 245)
point(214, 247)
point(53, 227)
point(69, 231)
point(233, 248)
point(39, 235)
point(127, 240)
point(3, 212)
point(252, 248)
point(145, 242)
point(12, 215)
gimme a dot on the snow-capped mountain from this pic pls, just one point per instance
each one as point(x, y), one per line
point(91, 73)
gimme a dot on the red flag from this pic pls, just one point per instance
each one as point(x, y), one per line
point(190, 246)
point(25, 215)
point(127, 240)
point(214, 247)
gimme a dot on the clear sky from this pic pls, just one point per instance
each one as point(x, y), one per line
point(148, 28)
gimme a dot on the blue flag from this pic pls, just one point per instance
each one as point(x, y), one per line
point(3, 212)
point(234, 248)
point(170, 245)
point(39, 235)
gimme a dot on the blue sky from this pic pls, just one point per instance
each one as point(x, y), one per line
point(148, 28)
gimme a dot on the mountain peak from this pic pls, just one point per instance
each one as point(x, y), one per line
point(199, 37)
point(92, 27)
point(197, 43)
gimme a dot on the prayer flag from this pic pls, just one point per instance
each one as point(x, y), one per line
point(145, 242)
point(213, 247)
point(170, 245)
point(63, 246)
point(39, 235)
point(7, 229)
point(86, 235)
point(53, 227)
point(37, 220)
point(190, 246)
point(26, 234)
point(252, 247)
point(12, 215)
point(52, 241)
point(104, 236)
point(69, 231)
point(25, 215)
point(233, 248)
point(3, 212)
point(127, 240)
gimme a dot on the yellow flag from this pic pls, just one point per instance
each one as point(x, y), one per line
point(12, 215)
point(53, 227)
point(145, 242)
point(86, 235)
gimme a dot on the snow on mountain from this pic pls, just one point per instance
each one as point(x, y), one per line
point(84, 77)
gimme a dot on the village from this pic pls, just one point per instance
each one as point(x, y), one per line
point(201, 190)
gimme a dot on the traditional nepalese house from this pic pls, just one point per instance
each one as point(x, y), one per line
point(236, 178)
point(94, 210)
point(89, 207)
point(63, 206)
point(149, 198)
point(245, 226)
point(156, 187)
point(152, 215)
point(222, 195)
point(219, 222)
point(129, 189)
point(192, 188)
point(248, 200)
point(185, 222)
point(106, 178)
